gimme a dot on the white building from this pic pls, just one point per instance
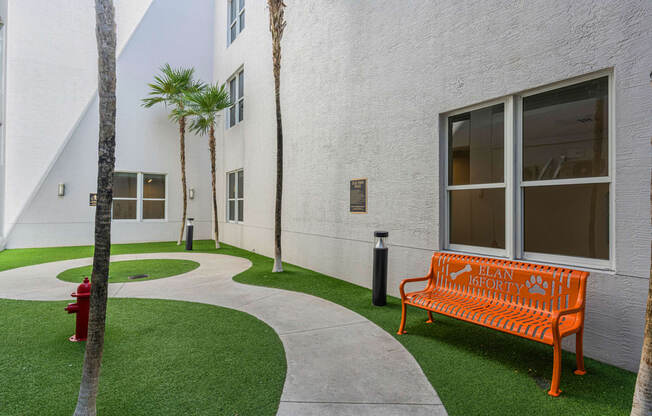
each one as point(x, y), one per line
point(513, 129)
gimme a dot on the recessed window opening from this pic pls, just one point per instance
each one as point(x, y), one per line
point(236, 94)
point(529, 176)
point(139, 196)
point(235, 196)
point(236, 19)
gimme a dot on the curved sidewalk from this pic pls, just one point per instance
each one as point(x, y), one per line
point(338, 362)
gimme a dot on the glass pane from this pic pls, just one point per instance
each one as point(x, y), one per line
point(240, 184)
point(571, 220)
point(153, 210)
point(234, 32)
point(242, 21)
point(153, 186)
point(231, 185)
point(231, 116)
point(242, 4)
point(232, 95)
point(475, 144)
point(232, 89)
point(240, 210)
point(477, 217)
point(241, 84)
point(125, 185)
point(232, 210)
point(232, 10)
point(240, 110)
point(124, 209)
point(565, 132)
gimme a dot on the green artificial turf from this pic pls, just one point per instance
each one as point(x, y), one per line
point(119, 271)
point(475, 370)
point(160, 358)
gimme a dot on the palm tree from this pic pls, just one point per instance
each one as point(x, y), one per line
point(642, 404)
point(276, 26)
point(106, 39)
point(170, 88)
point(204, 106)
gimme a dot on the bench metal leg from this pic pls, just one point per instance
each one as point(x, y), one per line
point(401, 329)
point(579, 352)
point(556, 369)
point(429, 321)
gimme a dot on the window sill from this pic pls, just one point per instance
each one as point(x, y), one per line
point(235, 126)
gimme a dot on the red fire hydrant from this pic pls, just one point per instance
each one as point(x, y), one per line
point(81, 308)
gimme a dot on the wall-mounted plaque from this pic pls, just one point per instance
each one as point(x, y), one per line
point(92, 200)
point(358, 196)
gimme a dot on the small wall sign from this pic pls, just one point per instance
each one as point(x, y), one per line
point(92, 200)
point(358, 196)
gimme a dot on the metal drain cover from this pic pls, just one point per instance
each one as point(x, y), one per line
point(138, 276)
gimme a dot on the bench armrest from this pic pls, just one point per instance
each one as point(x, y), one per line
point(558, 314)
point(413, 279)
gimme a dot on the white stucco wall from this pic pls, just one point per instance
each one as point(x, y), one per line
point(53, 51)
point(146, 140)
point(364, 84)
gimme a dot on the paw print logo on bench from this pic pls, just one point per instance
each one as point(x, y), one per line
point(536, 285)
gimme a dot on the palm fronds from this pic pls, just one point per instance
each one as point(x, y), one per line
point(204, 105)
point(171, 86)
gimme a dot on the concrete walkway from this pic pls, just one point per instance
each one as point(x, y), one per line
point(338, 362)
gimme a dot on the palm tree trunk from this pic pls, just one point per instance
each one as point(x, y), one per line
point(642, 404)
point(276, 26)
point(106, 41)
point(211, 146)
point(182, 155)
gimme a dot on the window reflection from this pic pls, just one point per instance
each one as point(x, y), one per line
point(125, 185)
point(565, 132)
point(477, 217)
point(571, 220)
point(476, 143)
point(153, 186)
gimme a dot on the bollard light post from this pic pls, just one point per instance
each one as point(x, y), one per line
point(189, 231)
point(379, 292)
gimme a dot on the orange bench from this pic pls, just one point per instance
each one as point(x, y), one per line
point(541, 303)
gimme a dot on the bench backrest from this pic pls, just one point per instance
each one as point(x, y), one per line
point(534, 286)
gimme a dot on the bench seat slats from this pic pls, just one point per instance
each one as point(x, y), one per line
point(506, 317)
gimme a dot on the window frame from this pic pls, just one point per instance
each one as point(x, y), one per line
point(236, 199)
point(514, 184)
point(239, 95)
point(239, 12)
point(140, 177)
point(143, 199)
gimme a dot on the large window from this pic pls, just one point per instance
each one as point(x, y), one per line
point(139, 196)
point(235, 196)
point(236, 94)
point(236, 19)
point(529, 176)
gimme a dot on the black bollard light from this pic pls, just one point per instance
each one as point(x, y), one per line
point(379, 295)
point(189, 231)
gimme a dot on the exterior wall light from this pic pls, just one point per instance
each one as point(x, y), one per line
point(191, 193)
point(61, 191)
